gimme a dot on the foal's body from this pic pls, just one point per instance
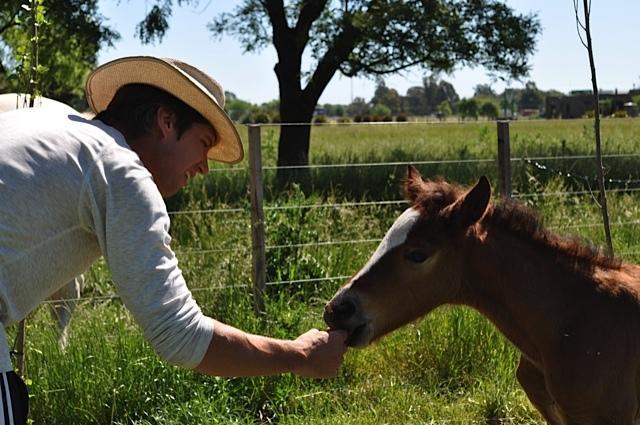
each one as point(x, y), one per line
point(573, 313)
point(578, 330)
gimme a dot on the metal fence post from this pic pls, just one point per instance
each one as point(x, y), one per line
point(504, 158)
point(258, 256)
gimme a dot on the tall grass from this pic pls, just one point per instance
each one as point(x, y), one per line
point(450, 367)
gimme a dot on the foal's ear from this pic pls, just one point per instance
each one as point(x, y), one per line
point(412, 183)
point(471, 206)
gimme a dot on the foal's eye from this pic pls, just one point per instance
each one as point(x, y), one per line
point(417, 256)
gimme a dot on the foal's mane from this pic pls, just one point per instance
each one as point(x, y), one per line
point(517, 219)
point(520, 220)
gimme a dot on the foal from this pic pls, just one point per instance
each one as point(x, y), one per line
point(573, 313)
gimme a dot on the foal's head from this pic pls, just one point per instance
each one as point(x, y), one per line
point(418, 263)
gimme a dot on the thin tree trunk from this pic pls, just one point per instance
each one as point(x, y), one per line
point(33, 62)
point(599, 166)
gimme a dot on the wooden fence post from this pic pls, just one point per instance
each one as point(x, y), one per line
point(258, 255)
point(20, 346)
point(504, 158)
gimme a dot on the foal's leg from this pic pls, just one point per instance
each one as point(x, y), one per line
point(532, 381)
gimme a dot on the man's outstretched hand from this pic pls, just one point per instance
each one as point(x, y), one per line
point(321, 353)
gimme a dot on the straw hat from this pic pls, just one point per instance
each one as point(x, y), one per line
point(187, 83)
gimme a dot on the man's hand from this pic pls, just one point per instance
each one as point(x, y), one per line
point(321, 353)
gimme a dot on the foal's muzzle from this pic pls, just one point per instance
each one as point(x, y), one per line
point(345, 312)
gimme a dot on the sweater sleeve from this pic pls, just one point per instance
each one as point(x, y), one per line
point(124, 208)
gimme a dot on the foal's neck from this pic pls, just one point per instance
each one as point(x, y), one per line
point(518, 286)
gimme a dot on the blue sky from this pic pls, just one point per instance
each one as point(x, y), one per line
point(560, 61)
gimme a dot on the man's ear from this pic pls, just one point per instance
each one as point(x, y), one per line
point(166, 121)
point(471, 206)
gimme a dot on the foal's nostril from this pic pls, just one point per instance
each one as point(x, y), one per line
point(345, 309)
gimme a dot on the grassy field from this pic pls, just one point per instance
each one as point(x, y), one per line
point(451, 367)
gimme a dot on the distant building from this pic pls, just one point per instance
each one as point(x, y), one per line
point(580, 102)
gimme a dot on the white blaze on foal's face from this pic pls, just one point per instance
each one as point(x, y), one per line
point(359, 322)
point(396, 236)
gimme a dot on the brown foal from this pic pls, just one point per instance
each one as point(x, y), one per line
point(573, 312)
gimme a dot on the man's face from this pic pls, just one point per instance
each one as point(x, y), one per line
point(173, 161)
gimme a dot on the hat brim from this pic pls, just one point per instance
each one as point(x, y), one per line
point(106, 80)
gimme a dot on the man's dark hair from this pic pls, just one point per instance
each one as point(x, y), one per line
point(133, 110)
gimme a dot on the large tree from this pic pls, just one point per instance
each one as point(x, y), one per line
point(68, 45)
point(364, 38)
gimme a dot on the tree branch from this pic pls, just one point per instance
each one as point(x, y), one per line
point(11, 23)
point(310, 11)
point(331, 60)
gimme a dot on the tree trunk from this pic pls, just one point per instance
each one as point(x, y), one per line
point(297, 104)
point(294, 142)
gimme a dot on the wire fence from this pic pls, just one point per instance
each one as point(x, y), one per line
point(539, 164)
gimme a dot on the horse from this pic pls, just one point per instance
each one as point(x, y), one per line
point(63, 302)
point(571, 310)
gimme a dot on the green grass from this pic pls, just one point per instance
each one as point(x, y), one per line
point(450, 367)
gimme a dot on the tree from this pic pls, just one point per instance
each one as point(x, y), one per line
point(415, 98)
point(69, 41)
point(388, 97)
point(444, 110)
point(237, 109)
point(483, 90)
point(358, 106)
point(489, 110)
point(437, 91)
point(364, 38)
point(468, 108)
point(381, 112)
point(531, 97)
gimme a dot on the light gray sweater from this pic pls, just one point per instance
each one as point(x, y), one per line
point(72, 190)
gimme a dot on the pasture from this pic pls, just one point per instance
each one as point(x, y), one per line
point(451, 368)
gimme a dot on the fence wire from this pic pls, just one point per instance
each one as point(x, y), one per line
point(532, 161)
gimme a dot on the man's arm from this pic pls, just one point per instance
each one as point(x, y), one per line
point(232, 352)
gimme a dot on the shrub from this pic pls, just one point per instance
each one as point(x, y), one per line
point(620, 113)
point(320, 119)
point(401, 118)
point(261, 118)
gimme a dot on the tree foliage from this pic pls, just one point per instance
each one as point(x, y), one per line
point(390, 98)
point(531, 97)
point(489, 110)
point(364, 38)
point(68, 41)
point(468, 108)
point(484, 90)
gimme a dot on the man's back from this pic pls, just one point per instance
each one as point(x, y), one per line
point(45, 159)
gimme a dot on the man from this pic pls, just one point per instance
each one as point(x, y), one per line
point(73, 189)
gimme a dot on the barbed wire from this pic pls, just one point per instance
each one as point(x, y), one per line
point(379, 164)
point(336, 205)
point(533, 161)
point(427, 162)
point(574, 157)
point(576, 192)
point(196, 251)
point(108, 297)
point(577, 177)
